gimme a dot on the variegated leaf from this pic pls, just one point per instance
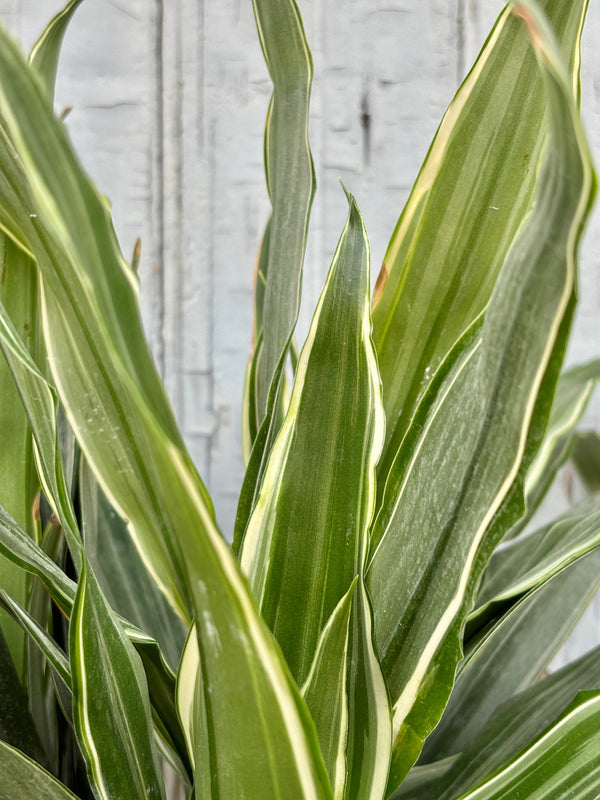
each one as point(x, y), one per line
point(469, 443)
point(472, 193)
point(111, 707)
point(23, 778)
point(307, 537)
point(519, 721)
point(290, 181)
point(562, 762)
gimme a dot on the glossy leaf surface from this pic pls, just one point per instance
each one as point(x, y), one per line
point(562, 761)
point(471, 439)
point(469, 200)
point(110, 700)
point(290, 181)
point(512, 728)
point(23, 778)
point(307, 537)
point(513, 654)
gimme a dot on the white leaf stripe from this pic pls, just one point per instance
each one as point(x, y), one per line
point(290, 179)
point(134, 750)
point(262, 645)
point(578, 759)
point(254, 557)
point(444, 240)
point(23, 778)
point(559, 195)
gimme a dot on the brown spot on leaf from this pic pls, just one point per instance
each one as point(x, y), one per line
point(532, 28)
point(379, 285)
point(35, 511)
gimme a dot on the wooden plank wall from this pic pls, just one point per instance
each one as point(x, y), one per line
point(168, 103)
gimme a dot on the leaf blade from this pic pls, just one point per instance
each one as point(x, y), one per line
point(320, 474)
point(476, 179)
point(24, 778)
point(111, 709)
point(495, 432)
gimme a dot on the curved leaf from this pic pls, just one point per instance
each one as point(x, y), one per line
point(562, 762)
point(23, 778)
point(40, 402)
point(370, 718)
point(325, 692)
point(21, 550)
point(43, 640)
point(124, 579)
point(45, 52)
point(111, 708)
point(470, 198)
point(290, 181)
point(513, 655)
point(527, 562)
point(474, 437)
point(573, 391)
point(307, 537)
point(519, 721)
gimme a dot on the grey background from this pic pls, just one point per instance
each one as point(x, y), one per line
point(168, 105)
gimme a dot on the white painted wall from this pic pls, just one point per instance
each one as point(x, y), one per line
point(169, 99)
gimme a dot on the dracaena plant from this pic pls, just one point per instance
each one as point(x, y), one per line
point(364, 636)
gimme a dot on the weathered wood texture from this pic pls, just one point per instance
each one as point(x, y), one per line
point(169, 100)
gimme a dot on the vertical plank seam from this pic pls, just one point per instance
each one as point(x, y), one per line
point(159, 191)
point(179, 270)
point(210, 161)
point(460, 41)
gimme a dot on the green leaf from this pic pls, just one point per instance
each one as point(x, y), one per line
point(586, 457)
point(117, 407)
point(125, 581)
point(513, 655)
point(23, 778)
point(162, 685)
point(470, 442)
point(97, 350)
point(513, 726)
point(325, 692)
point(243, 716)
point(40, 403)
point(46, 51)
point(562, 762)
point(572, 394)
point(370, 717)
point(259, 456)
point(18, 481)
point(18, 293)
point(290, 182)
point(21, 550)
point(307, 537)
point(573, 391)
point(421, 781)
point(111, 708)
point(527, 562)
point(16, 723)
point(191, 706)
point(40, 636)
point(473, 191)
point(48, 675)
